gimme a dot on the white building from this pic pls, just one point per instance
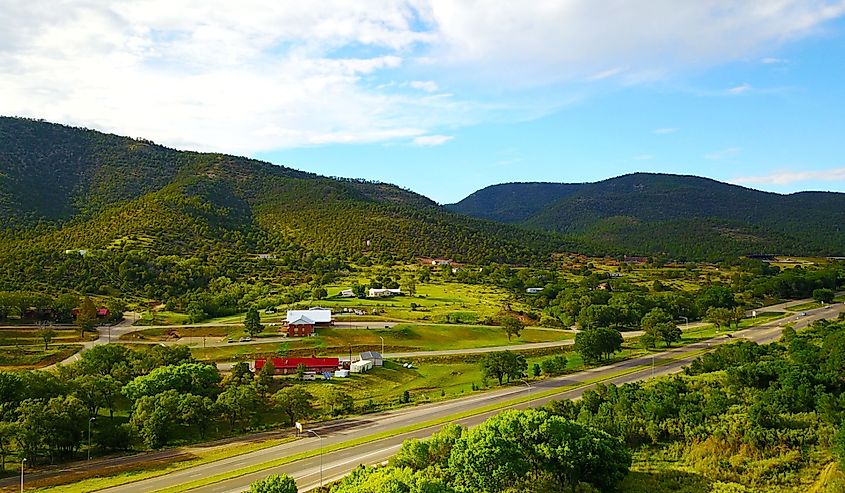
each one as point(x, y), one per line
point(347, 293)
point(361, 366)
point(534, 290)
point(383, 293)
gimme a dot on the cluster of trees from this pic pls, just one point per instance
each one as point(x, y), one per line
point(144, 399)
point(529, 450)
point(41, 307)
point(747, 413)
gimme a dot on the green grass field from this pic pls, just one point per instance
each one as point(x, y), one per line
point(399, 338)
point(22, 347)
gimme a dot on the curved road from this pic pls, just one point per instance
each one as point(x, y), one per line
point(336, 464)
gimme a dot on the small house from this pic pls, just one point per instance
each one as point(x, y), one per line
point(383, 293)
point(534, 290)
point(373, 356)
point(347, 293)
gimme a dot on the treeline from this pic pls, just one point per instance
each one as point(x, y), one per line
point(146, 399)
point(756, 415)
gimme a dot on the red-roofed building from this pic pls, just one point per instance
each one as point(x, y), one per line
point(288, 366)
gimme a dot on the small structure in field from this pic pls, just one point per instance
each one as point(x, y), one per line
point(383, 292)
point(373, 356)
point(534, 290)
point(361, 366)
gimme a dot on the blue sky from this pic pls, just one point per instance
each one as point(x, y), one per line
point(447, 97)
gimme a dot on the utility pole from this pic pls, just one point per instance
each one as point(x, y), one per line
point(382, 346)
point(23, 461)
point(321, 454)
point(89, 436)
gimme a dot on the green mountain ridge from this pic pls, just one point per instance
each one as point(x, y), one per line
point(676, 215)
point(123, 199)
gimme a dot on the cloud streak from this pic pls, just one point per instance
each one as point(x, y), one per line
point(786, 177)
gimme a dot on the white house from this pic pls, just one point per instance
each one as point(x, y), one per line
point(534, 290)
point(319, 316)
point(347, 293)
point(373, 356)
point(441, 261)
point(383, 293)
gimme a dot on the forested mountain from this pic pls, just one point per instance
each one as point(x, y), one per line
point(682, 216)
point(140, 208)
point(513, 202)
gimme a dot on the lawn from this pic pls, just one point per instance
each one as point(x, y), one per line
point(810, 305)
point(31, 357)
point(435, 301)
point(399, 338)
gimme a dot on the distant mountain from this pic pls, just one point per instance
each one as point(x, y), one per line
point(64, 188)
point(513, 202)
point(681, 216)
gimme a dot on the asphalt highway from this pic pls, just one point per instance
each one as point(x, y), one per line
point(333, 465)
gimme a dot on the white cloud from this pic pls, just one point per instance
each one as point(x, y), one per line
point(664, 131)
point(432, 140)
point(785, 177)
point(773, 61)
point(744, 87)
point(643, 157)
point(424, 85)
point(255, 75)
point(723, 153)
point(525, 43)
point(606, 74)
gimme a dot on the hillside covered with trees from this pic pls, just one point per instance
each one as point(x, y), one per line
point(88, 211)
point(680, 216)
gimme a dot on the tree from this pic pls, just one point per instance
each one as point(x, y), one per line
point(659, 325)
point(319, 293)
point(597, 344)
point(196, 411)
point(503, 364)
point(513, 449)
point(295, 402)
point(274, 484)
point(536, 370)
point(86, 319)
point(46, 333)
point(719, 316)
point(300, 371)
point(265, 377)
point(252, 323)
point(238, 404)
point(153, 417)
point(823, 295)
point(554, 365)
point(411, 286)
point(360, 290)
point(8, 431)
point(512, 325)
point(96, 391)
point(240, 375)
point(187, 378)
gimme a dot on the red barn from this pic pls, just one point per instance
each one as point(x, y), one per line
point(288, 366)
